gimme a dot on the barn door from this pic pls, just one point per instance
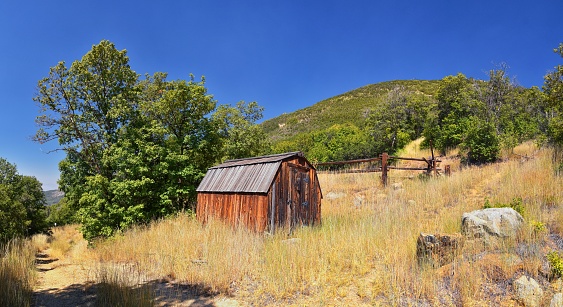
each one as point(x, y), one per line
point(299, 196)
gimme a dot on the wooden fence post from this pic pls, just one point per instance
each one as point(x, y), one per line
point(384, 158)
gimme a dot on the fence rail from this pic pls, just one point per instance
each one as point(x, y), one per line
point(384, 167)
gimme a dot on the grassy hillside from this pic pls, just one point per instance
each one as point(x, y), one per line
point(350, 107)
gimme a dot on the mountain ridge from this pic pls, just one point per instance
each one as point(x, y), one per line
point(53, 196)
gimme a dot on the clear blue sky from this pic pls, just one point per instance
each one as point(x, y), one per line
point(285, 55)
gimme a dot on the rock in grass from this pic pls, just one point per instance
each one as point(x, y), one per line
point(527, 291)
point(438, 249)
point(491, 222)
point(556, 300)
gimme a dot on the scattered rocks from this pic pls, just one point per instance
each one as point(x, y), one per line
point(527, 291)
point(397, 186)
point(359, 200)
point(491, 222)
point(437, 249)
point(556, 300)
point(334, 195)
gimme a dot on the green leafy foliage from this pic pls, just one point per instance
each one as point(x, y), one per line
point(397, 120)
point(556, 263)
point(336, 143)
point(242, 137)
point(61, 214)
point(135, 149)
point(481, 142)
point(22, 204)
point(349, 108)
point(483, 117)
point(516, 204)
point(553, 89)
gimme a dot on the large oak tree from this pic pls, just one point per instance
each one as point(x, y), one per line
point(135, 149)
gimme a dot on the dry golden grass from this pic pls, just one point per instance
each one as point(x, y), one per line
point(67, 241)
point(17, 273)
point(364, 253)
point(122, 285)
point(40, 242)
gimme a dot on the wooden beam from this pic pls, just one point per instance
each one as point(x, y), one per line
point(384, 168)
point(348, 162)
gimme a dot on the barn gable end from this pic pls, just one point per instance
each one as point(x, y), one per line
point(262, 193)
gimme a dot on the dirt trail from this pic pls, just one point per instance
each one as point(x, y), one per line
point(485, 188)
point(62, 283)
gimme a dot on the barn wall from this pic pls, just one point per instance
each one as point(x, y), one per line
point(247, 209)
point(294, 198)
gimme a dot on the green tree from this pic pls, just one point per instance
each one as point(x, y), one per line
point(242, 137)
point(174, 147)
point(88, 108)
point(12, 216)
point(135, 149)
point(397, 120)
point(455, 104)
point(338, 143)
point(481, 143)
point(61, 214)
point(510, 108)
point(484, 116)
point(553, 89)
point(31, 196)
point(22, 204)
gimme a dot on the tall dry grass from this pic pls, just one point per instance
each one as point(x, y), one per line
point(67, 242)
point(365, 250)
point(17, 273)
point(122, 285)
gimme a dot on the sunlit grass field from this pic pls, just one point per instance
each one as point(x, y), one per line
point(364, 251)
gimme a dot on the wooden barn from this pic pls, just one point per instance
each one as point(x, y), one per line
point(262, 193)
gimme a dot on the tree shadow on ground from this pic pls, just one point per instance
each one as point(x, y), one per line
point(164, 294)
point(79, 295)
point(42, 258)
point(176, 294)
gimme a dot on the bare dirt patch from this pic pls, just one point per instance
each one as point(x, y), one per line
point(62, 283)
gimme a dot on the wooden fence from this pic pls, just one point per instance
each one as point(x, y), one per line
point(385, 165)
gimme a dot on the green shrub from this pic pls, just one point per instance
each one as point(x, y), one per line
point(538, 226)
point(556, 263)
point(516, 204)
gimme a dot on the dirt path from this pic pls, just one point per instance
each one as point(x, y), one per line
point(62, 283)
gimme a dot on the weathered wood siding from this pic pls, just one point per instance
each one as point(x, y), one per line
point(295, 195)
point(247, 209)
point(293, 198)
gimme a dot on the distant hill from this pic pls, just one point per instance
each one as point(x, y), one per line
point(350, 107)
point(53, 196)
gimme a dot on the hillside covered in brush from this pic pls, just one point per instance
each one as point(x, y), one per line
point(482, 117)
point(349, 108)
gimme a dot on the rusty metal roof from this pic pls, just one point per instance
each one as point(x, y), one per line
point(250, 175)
point(257, 160)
